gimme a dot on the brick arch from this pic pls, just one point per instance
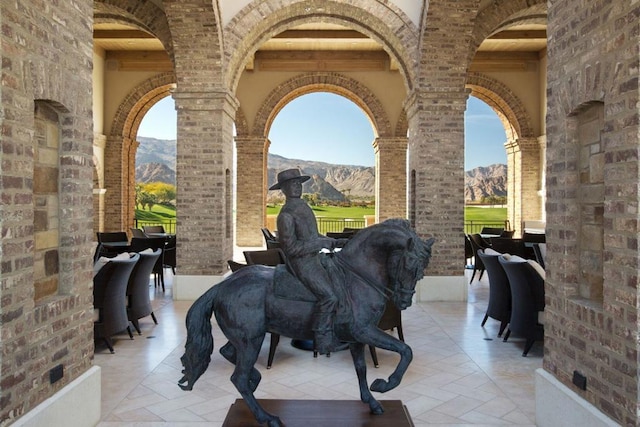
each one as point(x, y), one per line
point(242, 127)
point(142, 14)
point(380, 20)
point(508, 107)
point(323, 82)
point(505, 13)
point(135, 105)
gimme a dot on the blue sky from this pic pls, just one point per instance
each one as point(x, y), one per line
point(329, 128)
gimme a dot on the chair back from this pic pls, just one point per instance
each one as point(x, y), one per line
point(137, 232)
point(499, 307)
point(534, 237)
point(468, 249)
point(477, 243)
point(270, 240)
point(139, 303)
point(139, 244)
point(509, 246)
point(540, 251)
point(153, 229)
point(492, 230)
point(507, 234)
point(109, 296)
point(270, 257)
point(115, 236)
point(170, 252)
point(527, 296)
point(235, 266)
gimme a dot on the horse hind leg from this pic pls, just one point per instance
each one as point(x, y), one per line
point(357, 354)
point(228, 351)
point(241, 378)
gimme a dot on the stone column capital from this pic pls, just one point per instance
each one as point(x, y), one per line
point(432, 99)
point(186, 99)
point(390, 144)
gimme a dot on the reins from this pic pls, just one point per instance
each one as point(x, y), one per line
point(381, 289)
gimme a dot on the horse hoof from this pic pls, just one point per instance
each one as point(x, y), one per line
point(275, 422)
point(379, 386)
point(377, 409)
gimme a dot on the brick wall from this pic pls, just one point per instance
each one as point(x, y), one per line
point(592, 201)
point(46, 200)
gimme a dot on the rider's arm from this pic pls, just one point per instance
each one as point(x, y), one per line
point(291, 244)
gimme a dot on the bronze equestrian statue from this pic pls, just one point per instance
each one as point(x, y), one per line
point(381, 262)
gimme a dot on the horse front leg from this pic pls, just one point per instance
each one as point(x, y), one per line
point(377, 338)
point(357, 354)
point(244, 378)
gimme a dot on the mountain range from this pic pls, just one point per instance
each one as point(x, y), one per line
point(156, 161)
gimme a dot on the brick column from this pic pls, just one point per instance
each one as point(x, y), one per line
point(436, 175)
point(524, 182)
point(391, 178)
point(251, 190)
point(116, 181)
point(204, 184)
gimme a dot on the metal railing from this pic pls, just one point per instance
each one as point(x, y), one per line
point(473, 227)
point(168, 224)
point(336, 225)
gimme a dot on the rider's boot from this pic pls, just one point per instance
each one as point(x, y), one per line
point(324, 343)
point(323, 330)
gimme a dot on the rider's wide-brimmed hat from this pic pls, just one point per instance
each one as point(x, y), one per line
point(287, 175)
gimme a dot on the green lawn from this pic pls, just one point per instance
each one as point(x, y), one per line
point(471, 213)
point(475, 213)
point(332, 211)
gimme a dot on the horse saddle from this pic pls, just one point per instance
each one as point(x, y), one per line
point(288, 286)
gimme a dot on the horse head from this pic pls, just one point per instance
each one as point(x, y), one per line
point(401, 254)
point(406, 263)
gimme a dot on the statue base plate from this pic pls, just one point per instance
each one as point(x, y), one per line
point(321, 413)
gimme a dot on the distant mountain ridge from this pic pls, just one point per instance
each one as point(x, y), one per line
point(156, 162)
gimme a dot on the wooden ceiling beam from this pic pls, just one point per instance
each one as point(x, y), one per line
point(321, 60)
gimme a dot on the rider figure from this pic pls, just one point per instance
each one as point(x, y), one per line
point(299, 239)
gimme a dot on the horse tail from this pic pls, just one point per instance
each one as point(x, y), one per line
point(199, 345)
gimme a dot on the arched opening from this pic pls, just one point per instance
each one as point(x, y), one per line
point(330, 138)
point(155, 167)
point(485, 165)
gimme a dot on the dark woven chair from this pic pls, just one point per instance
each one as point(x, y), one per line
point(235, 266)
point(109, 298)
point(153, 229)
point(111, 237)
point(270, 257)
point(138, 301)
point(477, 243)
point(509, 246)
point(527, 300)
point(169, 254)
point(499, 307)
point(497, 231)
point(139, 244)
point(270, 239)
point(137, 232)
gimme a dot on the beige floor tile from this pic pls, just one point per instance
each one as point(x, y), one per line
point(461, 374)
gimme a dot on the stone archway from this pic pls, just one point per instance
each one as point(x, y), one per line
point(121, 146)
point(524, 154)
point(253, 144)
point(383, 22)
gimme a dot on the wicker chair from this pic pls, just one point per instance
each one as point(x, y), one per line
point(109, 298)
point(138, 301)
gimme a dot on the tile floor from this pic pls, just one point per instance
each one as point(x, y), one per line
point(461, 374)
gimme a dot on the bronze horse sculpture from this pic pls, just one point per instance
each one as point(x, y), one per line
point(381, 262)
